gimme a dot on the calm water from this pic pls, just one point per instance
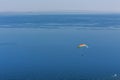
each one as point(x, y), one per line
point(44, 47)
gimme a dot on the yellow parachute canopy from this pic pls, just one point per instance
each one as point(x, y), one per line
point(82, 45)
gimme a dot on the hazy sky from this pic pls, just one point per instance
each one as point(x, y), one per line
point(60, 5)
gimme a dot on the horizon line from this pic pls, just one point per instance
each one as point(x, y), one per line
point(59, 12)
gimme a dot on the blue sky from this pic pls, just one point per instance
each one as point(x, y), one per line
point(60, 5)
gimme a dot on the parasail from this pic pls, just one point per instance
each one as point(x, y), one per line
point(82, 45)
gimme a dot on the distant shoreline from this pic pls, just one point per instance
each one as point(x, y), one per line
point(52, 13)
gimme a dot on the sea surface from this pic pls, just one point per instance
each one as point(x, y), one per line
point(44, 47)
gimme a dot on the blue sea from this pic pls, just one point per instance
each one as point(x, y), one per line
point(44, 47)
